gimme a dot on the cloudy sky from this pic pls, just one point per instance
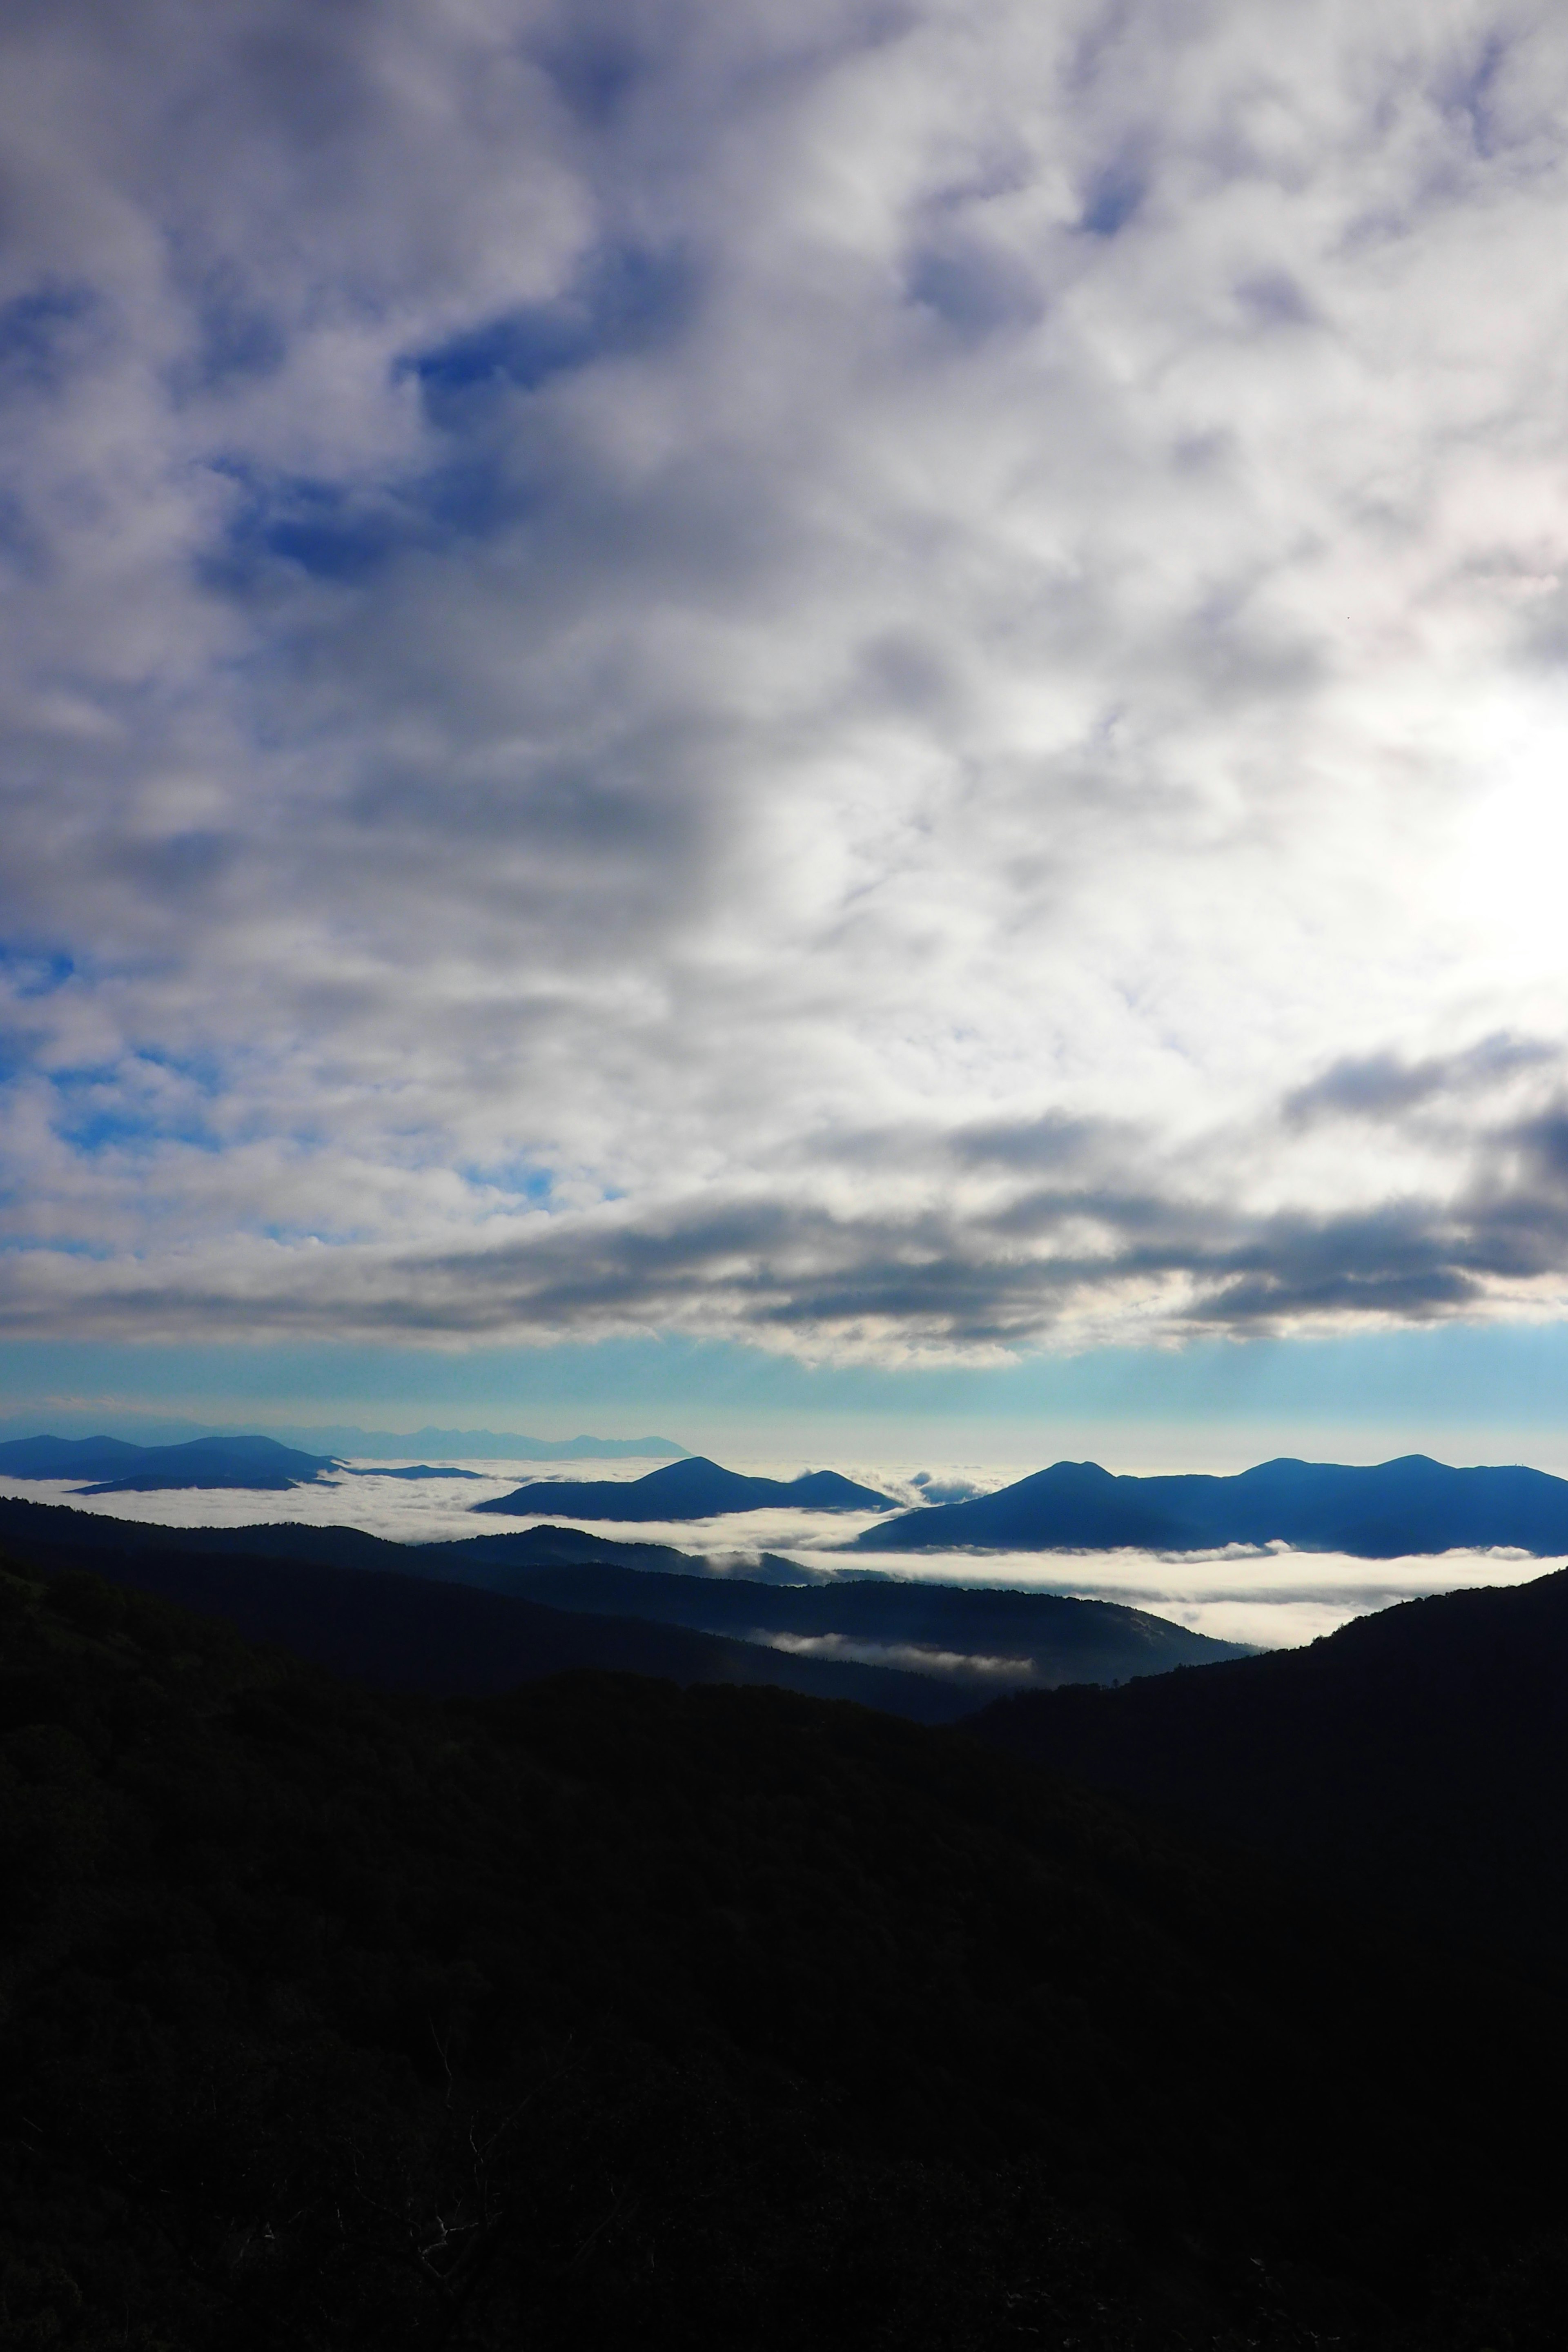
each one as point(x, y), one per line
point(878, 683)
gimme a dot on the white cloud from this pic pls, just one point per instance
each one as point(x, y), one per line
point(884, 678)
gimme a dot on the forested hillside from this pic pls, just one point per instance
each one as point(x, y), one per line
point(606, 2011)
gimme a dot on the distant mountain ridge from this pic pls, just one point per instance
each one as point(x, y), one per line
point(1413, 1504)
point(259, 1465)
point(387, 1445)
point(695, 1488)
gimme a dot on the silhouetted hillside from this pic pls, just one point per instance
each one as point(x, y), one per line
point(961, 1635)
point(29, 1523)
point(409, 1633)
point(123, 1469)
point(1411, 1505)
point(693, 1489)
point(944, 1629)
point(1417, 1758)
point(606, 2013)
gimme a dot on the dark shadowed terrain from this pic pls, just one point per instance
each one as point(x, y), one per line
point(388, 1612)
point(1416, 1759)
point(607, 2012)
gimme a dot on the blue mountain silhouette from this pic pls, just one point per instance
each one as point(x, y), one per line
point(1381, 1512)
point(693, 1489)
point(119, 1468)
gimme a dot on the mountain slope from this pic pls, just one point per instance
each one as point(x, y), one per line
point(410, 1634)
point(464, 1560)
point(1410, 1506)
point(693, 1489)
point(1417, 1758)
point(611, 2013)
point(964, 1638)
point(984, 1636)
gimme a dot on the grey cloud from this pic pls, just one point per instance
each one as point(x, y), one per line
point(973, 290)
point(773, 1268)
point(1051, 1140)
point(1274, 299)
point(766, 615)
point(1384, 1086)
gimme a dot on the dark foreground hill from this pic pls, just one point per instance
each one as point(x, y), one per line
point(1394, 1508)
point(983, 1634)
point(926, 1651)
point(604, 2013)
point(412, 1634)
point(693, 1489)
point(120, 1468)
point(468, 1560)
point(1417, 1758)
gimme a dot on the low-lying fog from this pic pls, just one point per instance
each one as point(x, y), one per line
point(1276, 1597)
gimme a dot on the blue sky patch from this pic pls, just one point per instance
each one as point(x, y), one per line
point(35, 335)
point(627, 298)
point(1112, 198)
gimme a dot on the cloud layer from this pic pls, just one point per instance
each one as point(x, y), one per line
point(882, 678)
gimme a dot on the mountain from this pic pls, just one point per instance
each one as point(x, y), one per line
point(1411, 1505)
point(1416, 1758)
point(606, 2011)
point(923, 1651)
point(693, 1489)
point(119, 1468)
point(972, 1635)
point(413, 1633)
point(68, 1458)
point(464, 1560)
point(419, 1470)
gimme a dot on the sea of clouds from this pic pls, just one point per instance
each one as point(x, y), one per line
point(1272, 1597)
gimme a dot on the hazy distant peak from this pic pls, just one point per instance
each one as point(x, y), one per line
point(118, 1467)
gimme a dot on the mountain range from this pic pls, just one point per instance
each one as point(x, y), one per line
point(1410, 1506)
point(487, 1612)
point(1413, 1505)
point(342, 1438)
point(117, 1467)
point(695, 1488)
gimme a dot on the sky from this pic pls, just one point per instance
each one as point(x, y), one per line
point(814, 715)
